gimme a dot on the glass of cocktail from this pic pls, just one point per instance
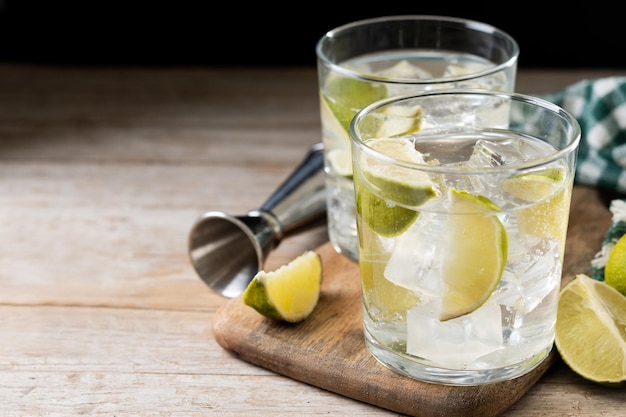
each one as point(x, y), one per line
point(462, 200)
point(368, 60)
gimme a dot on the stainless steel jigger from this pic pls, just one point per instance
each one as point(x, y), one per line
point(227, 251)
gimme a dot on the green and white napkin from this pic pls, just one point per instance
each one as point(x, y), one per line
point(599, 105)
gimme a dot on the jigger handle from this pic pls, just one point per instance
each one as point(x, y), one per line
point(301, 198)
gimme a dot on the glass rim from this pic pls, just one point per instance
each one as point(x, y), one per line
point(467, 23)
point(574, 136)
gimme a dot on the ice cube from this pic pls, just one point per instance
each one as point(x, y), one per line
point(454, 343)
point(531, 277)
point(416, 257)
point(403, 70)
point(488, 153)
point(407, 70)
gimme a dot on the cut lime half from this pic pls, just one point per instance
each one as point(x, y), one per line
point(590, 330)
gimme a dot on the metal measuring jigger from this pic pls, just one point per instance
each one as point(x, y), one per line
point(227, 251)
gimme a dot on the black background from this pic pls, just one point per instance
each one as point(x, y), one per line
point(234, 33)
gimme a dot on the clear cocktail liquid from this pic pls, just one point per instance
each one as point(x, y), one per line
point(338, 105)
point(402, 279)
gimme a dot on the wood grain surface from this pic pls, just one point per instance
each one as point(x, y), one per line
point(327, 349)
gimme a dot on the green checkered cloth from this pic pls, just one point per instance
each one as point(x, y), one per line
point(599, 105)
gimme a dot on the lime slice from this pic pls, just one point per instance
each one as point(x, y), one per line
point(535, 186)
point(401, 185)
point(590, 333)
point(476, 252)
point(345, 96)
point(548, 218)
point(615, 268)
point(400, 120)
point(384, 299)
point(386, 191)
point(289, 293)
point(341, 162)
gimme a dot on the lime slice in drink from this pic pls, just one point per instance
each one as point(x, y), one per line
point(476, 252)
point(386, 190)
point(345, 96)
point(400, 120)
point(340, 100)
point(289, 293)
point(547, 218)
point(386, 300)
point(394, 183)
point(341, 162)
point(590, 335)
point(535, 186)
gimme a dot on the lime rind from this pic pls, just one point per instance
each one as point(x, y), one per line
point(387, 220)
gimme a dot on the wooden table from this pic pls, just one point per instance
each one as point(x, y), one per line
point(102, 173)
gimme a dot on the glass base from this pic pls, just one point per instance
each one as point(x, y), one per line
point(409, 366)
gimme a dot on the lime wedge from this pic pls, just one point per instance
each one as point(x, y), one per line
point(535, 186)
point(341, 162)
point(476, 252)
point(345, 96)
point(394, 183)
point(400, 120)
point(590, 330)
point(548, 218)
point(387, 195)
point(289, 293)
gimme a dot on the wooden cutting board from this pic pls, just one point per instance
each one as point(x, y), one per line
point(327, 349)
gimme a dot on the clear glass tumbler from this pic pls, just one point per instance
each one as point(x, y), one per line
point(463, 201)
point(368, 60)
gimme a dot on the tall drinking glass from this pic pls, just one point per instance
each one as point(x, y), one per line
point(368, 60)
point(463, 201)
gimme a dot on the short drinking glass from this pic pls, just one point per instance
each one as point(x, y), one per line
point(368, 60)
point(462, 200)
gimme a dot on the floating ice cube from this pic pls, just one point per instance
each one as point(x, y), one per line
point(403, 70)
point(416, 256)
point(488, 153)
point(407, 70)
point(457, 342)
point(531, 275)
